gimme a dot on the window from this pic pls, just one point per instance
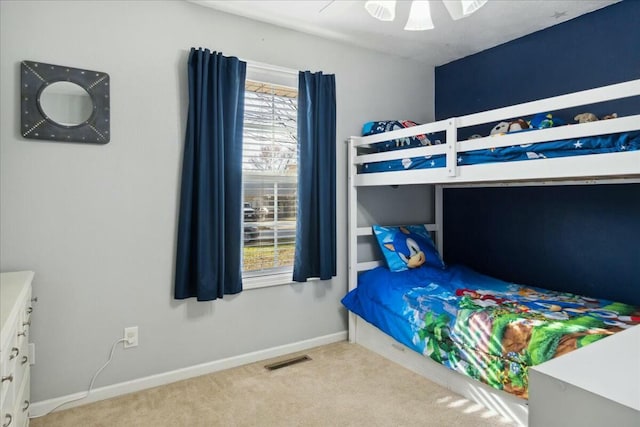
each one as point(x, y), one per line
point(269, 179)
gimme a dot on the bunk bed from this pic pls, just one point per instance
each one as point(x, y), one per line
point(429, 299)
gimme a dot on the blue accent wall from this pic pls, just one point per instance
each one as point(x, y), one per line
point(593, 50)
point(581, 239)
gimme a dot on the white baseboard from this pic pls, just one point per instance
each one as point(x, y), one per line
point(107, 392)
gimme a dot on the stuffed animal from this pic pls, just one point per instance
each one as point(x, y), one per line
point(590, 117)
point(500, 128)
point(512, 126)
point(545, 120)
point(518, 124)
point(585, 118)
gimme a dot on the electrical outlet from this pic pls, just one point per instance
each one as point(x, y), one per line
point(131, 336)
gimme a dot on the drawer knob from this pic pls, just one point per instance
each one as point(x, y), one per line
point(22, 334)
point(29, 310)
point(26, 405)
point(8, 378)
point(34, 299)
point(25, 359)
point(8, 423)
point(27, 323)
point(14, 353)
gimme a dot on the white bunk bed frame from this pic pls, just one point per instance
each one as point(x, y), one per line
point(621, 167)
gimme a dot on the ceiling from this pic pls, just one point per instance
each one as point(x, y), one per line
point(497, 22)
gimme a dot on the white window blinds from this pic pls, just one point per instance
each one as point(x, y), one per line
point(269, 178)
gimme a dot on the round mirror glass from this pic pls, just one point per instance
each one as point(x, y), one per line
point(66, 103)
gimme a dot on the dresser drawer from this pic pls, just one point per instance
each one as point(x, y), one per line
point(7, 417)
point(8, 362)
point(21, 365)
point(10, 387)
point(22, 403)
point(25, 323)
point(15, 316)
point(16, 413)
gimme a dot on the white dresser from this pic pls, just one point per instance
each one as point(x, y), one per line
point(15, 320)
point(599, 385)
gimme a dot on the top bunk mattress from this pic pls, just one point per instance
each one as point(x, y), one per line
point(612, 143)
point(480, 326)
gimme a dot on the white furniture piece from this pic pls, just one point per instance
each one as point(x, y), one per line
point(15, 321)
point(606, 168)
point(569, 391)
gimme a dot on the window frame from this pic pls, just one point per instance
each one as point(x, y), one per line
point(282, 77)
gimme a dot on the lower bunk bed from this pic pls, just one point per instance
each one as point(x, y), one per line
point(478, 326)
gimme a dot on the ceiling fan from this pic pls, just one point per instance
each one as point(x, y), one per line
point(420, 12)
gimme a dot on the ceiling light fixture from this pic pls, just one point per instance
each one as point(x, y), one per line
point(462, 8)
point(382, 10)
point(419, 17)
point(420, 12)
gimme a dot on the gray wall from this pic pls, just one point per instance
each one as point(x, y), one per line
point(97, 223)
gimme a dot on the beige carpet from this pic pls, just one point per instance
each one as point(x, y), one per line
point(344, 385)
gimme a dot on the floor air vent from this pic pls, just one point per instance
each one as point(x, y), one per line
point(288, 362)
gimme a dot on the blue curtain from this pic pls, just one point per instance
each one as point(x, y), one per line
point(315, 253)
point(208, 254)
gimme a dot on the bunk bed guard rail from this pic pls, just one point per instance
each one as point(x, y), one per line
point(628, 166)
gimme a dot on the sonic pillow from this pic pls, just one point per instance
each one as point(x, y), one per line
point(406, 247)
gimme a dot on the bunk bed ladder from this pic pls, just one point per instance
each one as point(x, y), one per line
point(353, 235)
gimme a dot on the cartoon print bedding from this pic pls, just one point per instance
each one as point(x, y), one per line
point(612, 143)
point(373, 128)
point(480, 326)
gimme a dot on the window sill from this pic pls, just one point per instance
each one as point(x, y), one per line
point(257, 282)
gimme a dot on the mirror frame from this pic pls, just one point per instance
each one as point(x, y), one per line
point(35, 124)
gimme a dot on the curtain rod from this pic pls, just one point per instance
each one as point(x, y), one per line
point(268, 67)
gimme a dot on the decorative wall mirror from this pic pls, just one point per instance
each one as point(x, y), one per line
point(64, 104)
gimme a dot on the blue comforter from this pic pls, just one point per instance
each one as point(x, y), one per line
point(480, 326)
point(613, 143)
